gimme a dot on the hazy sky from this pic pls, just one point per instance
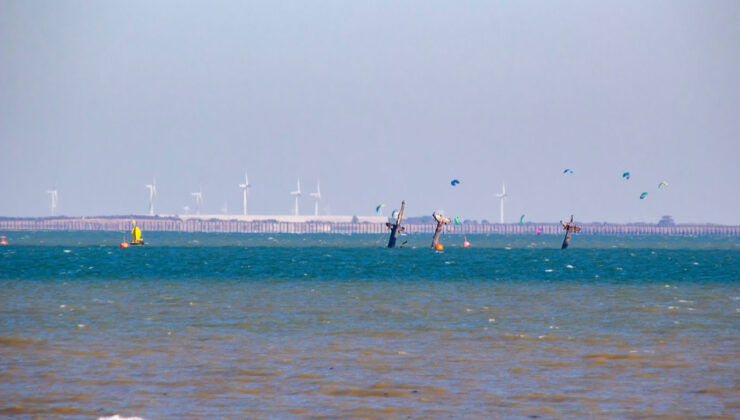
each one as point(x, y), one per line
point(381, 101)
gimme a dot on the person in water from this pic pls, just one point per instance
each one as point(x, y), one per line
point(136, 235)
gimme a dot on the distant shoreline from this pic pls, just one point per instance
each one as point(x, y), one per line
point(223, 225)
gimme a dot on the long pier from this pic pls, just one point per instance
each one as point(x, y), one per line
point(174, 224)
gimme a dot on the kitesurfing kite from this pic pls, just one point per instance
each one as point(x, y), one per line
point(380, 207)
point(626, 175)
point(521, 220)
point(568, 171)
point(643, 195)
point(663, 184)
point(454, 182)
point(457, 220)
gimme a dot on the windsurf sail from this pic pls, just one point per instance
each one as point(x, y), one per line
point(135, 234)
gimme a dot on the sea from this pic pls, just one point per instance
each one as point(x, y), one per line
point(339, 326)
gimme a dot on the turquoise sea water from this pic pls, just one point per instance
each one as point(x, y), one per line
point(303, 326)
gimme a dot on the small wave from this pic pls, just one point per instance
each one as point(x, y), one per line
point(119, 417)
point(16, 342)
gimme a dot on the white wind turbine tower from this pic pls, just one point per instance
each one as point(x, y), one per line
point(198, 200)
point(296, 194)
point(152, 193)
point(317, 196)
point(54, 200)
point(502, 197)
point(246, 185)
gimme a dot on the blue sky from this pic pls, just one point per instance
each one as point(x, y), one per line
point(381, 101)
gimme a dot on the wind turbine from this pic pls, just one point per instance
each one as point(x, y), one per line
point(246, 185)
point(54, 200)
point(296, 194)
point(317, 196)
point(502, 197)
point(198, 200)
point(152, 193)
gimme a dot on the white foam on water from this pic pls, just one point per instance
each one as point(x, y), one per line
point(118, 417)
point(491, 319)
point(549, 270)
point(569, 266)
point(67, 251)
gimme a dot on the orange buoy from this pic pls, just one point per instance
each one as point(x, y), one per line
point(2, 240)
point(466, 244)
point(124, 244)
point(439, 247)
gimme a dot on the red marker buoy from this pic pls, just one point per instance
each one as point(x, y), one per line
point(439, 247)
point(2, 240)
point(124, 244)
point(466, 244)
